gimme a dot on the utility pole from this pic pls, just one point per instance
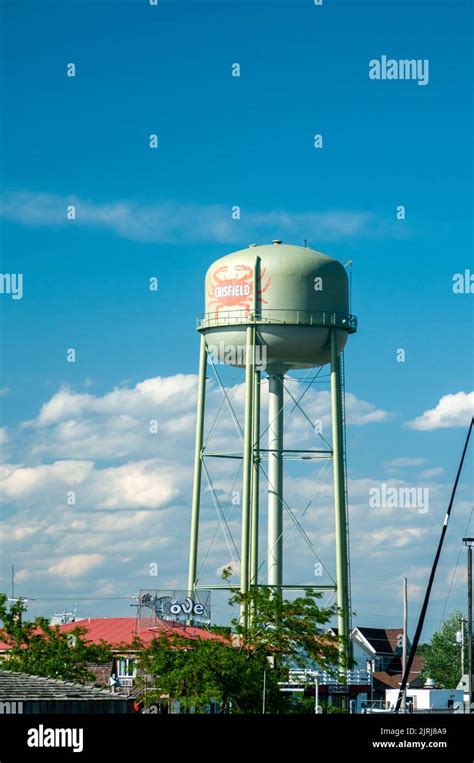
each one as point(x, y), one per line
point(264, 697)
point(405, 641)
point(462, 646)
point(469, 543)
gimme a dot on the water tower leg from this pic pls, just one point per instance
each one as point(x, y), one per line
point(247, 471)
point(275, 480)
point(255, 481)
point(342, 558)
point(196, 501)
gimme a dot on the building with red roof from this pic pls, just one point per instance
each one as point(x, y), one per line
point(122, 634)
point(118, 631)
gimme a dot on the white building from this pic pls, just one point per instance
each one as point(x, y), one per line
point(428, 699)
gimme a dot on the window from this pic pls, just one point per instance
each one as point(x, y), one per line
point(126, 667)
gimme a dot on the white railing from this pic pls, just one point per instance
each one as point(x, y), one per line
point(354, 677)
point(274, 316)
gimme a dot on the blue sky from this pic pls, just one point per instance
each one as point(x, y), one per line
point(227, 141)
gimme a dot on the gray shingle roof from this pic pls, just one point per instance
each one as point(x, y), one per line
point(22, 686)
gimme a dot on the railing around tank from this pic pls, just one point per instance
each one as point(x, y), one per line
point(279, 317)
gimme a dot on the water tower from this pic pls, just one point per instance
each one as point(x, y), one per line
point(288, 305)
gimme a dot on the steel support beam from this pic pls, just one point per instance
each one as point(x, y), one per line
point(196, 500)
point(247, 471)
point(275, 480)
point(342, 556)
point(255, 480)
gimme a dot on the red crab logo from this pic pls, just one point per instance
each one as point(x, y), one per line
point(233, 286)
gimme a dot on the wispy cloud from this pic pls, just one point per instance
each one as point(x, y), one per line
point(428, 474)
point(452, 411)
point(175, 222)
point(116, 425)
point(77, 565)
point(404, 461)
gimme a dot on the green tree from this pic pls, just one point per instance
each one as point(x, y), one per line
point(294, 631)
point(230, 669)
point(38, 648)
point(443, 654)
point(202, 670)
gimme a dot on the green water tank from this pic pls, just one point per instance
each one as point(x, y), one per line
point(295, 296)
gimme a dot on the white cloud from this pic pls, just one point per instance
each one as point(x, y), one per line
point(360, 412)
point(3, 436)
point(170, 391)
point(117, 425)
point(457, 576)
point(397, 538)
point(17, 533)
point(406, 462)
point(139, 484)
point(428, 474)
point(452, 411)
point(173, 222)
point(24, 481)
point(76, 566)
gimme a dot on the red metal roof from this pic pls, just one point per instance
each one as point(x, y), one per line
point(123, 630)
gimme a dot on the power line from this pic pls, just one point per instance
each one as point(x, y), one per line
point(453, 577)
point(78, 598)
point(419, 627)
